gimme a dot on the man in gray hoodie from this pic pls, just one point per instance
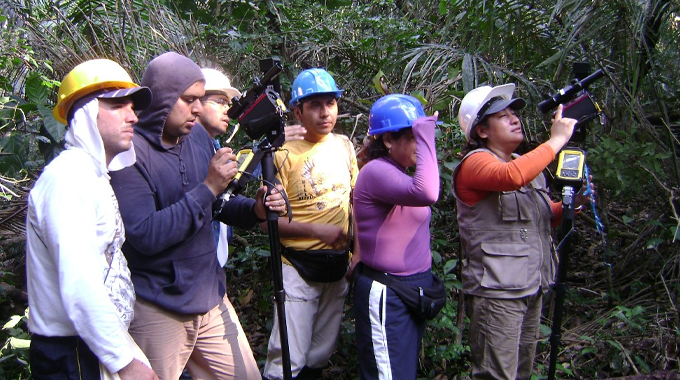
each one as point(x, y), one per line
point(183, 316)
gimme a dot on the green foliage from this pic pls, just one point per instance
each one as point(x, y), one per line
point(30, 134)
point(631, 319)
point(14, 352)
point(624, 165)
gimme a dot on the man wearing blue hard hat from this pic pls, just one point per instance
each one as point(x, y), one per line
point(318, 174)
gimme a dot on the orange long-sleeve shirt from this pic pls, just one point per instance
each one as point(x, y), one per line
point(482, 174)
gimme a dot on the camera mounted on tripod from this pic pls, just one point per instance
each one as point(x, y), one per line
point(578, 105)
point(260, 111)
point(577, 101)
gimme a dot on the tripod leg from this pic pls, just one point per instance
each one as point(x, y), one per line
point(275, 260)
point(560, 294)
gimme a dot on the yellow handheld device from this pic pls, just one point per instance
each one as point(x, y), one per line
point(570, 166)
point(243, 159)
point(247, 161)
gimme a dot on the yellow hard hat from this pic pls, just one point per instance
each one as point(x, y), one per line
point(91, 76)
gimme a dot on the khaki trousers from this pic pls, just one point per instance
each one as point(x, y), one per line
point(212, 346)
point(313, 316)
point(503, 336)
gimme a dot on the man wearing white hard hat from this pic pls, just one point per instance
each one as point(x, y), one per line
point(504, 217)
point(214, 118)
point(216, 102)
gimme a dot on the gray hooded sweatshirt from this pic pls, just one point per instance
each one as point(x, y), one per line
point(166, 207)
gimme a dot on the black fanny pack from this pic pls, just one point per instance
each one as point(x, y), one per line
point(319, 265)
point(425, 303)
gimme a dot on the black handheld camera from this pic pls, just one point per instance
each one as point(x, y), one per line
point(260, 111)
point(578, 104)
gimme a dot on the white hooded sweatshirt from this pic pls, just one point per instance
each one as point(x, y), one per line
point(78, 279)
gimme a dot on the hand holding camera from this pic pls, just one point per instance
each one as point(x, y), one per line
point(221, 170)
point(577, 104)
point(561, 131)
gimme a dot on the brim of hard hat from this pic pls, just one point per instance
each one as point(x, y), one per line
point(141, 99)
point(294, 103)
point(65, 105)
point(515, 104)
point(141, 96)
point(229, 92)
point(383, 131)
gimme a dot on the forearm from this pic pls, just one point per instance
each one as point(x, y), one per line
point(485, 172)
point(293, 229)
point(425, 188)
point(95, 318)
point(151, 226)
point(152, 232)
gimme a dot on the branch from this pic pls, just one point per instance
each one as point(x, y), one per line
point(671, 197)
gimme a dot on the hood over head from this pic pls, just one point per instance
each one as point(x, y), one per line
point(168, 76)
point(84, 134)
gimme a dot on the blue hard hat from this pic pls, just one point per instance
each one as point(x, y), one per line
point(313, 82)
point(394, 112)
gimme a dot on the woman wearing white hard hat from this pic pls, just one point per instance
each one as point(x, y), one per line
point(504, 217)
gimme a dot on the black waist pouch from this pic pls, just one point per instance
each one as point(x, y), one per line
point(319, 265)
point(424, 303)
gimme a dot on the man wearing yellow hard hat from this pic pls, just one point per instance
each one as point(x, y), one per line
point(80, 293)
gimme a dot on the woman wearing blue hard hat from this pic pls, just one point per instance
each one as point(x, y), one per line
point(392, 214)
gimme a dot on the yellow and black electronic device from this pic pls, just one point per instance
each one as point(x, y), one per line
point(243, 157)
point(571, 164)
point(247, 160)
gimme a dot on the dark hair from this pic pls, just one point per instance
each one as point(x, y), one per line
point(475, 142)
point(80, 102)
point(374, 147)
point(311, 97)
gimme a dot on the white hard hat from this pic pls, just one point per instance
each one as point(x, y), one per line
point(483, 101)
point(218, 83)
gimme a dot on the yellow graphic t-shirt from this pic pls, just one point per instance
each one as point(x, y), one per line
point(318, 178)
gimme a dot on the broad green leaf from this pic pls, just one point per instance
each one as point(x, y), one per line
point(653, 243)
point(54, 130)
point(36, 90)
point(20, 344)
point(13, 321)
point(450, 265)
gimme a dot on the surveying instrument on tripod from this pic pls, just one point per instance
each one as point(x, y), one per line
point(571, 174)
point(261, 113)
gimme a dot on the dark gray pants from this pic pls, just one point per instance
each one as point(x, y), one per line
point(62, 358)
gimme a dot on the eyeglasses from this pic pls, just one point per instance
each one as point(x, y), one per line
point(219, 101)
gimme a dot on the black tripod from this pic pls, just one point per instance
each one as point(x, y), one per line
point(268, 173)
point(260, 112)
point(563, 250)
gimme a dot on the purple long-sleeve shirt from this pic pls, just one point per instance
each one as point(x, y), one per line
point(392, 208)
